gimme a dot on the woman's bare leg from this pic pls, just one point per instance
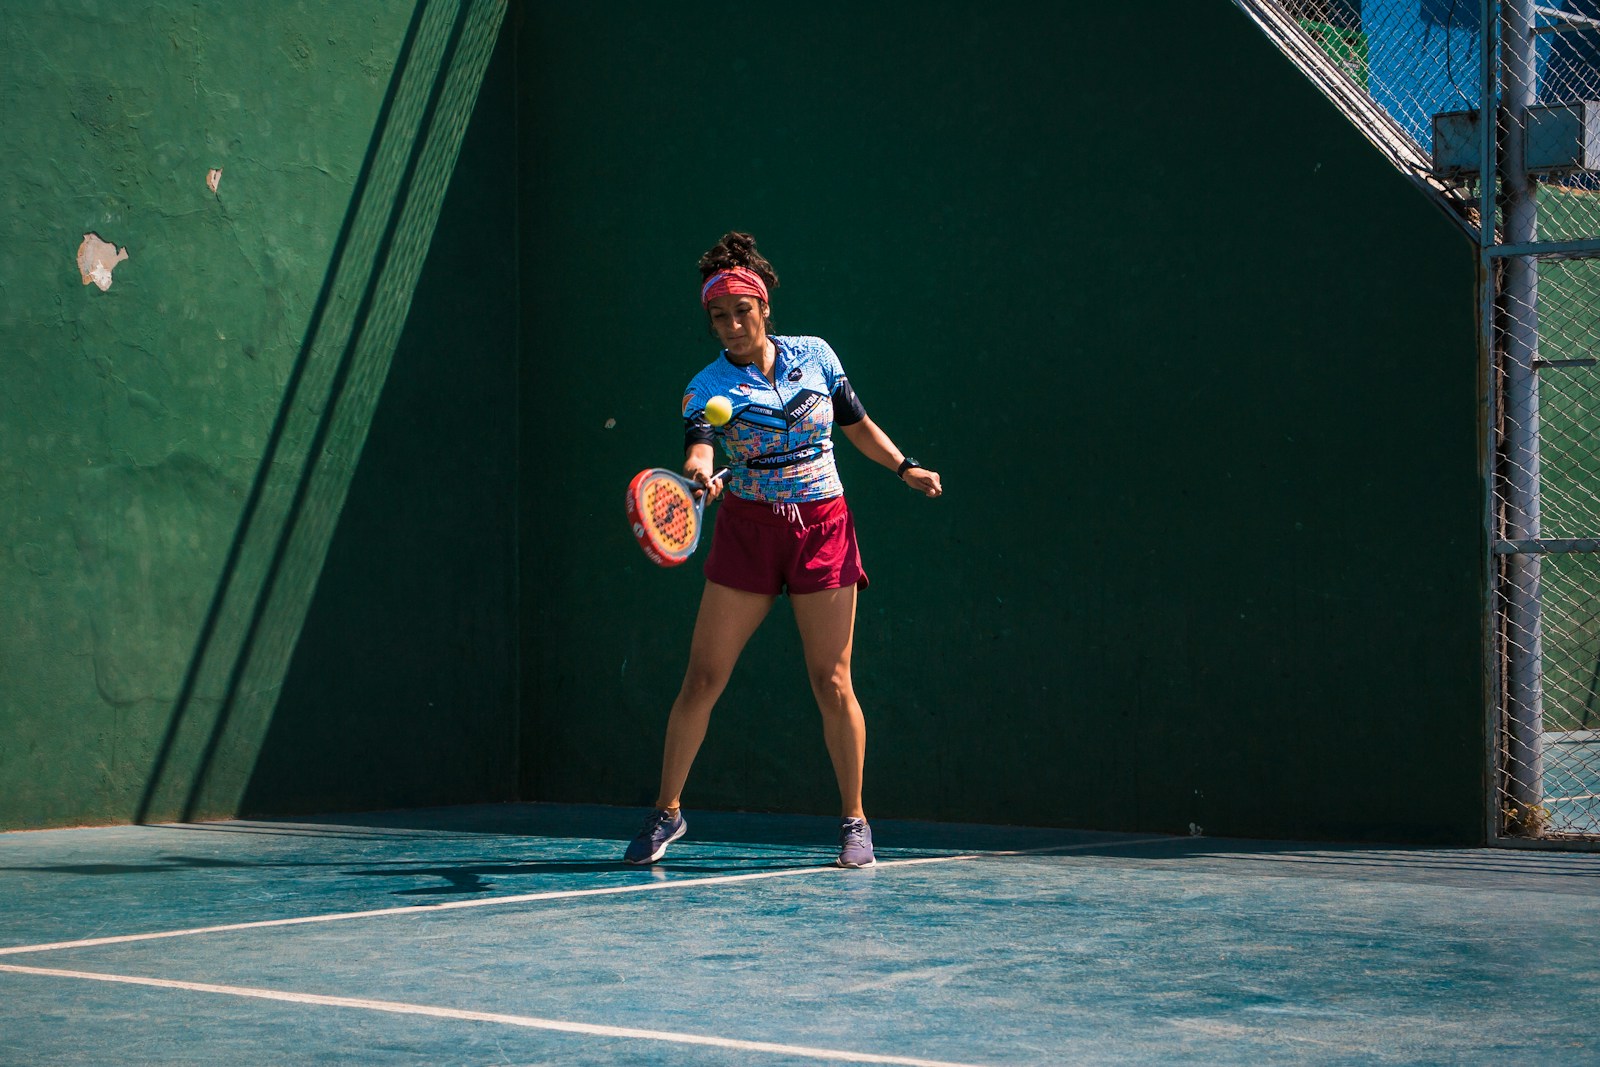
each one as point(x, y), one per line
point(723, 627)
point(827, 622)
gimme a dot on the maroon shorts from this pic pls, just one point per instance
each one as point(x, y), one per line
point(799, 548)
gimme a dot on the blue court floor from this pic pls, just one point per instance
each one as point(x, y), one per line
point(512, 935)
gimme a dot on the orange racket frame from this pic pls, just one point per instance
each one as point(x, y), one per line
point(666, 512)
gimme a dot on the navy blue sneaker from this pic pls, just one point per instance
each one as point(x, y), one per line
point(855, 844)
point(660, 830)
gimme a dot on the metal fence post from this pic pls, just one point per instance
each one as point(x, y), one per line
point(1517, 313)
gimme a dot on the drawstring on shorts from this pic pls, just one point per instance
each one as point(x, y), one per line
point(790, 511)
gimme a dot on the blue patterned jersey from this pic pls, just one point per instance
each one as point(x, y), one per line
point(780, 439)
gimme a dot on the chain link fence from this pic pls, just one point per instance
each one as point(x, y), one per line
point(1414, 75)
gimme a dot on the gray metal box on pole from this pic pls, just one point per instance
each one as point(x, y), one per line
point(1560, 138)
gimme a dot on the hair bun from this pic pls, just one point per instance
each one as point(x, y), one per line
point(737, 249)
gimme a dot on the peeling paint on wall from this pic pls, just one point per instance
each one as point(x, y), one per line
point(97, 259)
point(103, 591)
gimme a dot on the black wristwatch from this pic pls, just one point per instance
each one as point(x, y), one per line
point(905, 465)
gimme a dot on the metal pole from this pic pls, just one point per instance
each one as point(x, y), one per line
point(1494, 710)
point(1517, 314)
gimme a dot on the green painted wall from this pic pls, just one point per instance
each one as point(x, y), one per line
point(1198, 368)
point(406, 666)
point(181, 454)
point(288, 524)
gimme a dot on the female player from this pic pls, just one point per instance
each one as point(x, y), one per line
point(784, 528)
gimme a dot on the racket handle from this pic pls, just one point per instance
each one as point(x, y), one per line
point(700, 490)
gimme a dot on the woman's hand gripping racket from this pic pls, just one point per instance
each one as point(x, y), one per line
point(667, 511)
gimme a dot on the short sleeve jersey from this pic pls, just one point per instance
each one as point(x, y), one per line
point(779, 440)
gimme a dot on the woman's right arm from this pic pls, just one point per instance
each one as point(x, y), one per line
point(697, 467)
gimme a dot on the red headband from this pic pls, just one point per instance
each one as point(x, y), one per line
point(735, 281)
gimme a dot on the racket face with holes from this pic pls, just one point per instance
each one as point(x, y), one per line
point(665, 515)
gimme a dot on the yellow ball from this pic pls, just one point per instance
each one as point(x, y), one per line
point(719, 409)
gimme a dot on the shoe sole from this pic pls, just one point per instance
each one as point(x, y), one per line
point(856, 866)
point(662, 851)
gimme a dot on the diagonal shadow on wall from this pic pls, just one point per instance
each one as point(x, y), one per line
point(402, 689)
point(242, 652)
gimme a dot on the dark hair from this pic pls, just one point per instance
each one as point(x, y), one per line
point(737, 250)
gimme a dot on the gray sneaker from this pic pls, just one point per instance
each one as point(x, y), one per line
point(855, 844)
point(660, 830)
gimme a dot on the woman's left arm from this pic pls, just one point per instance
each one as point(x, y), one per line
point(876, 446)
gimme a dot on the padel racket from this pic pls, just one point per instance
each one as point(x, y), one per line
point(667, 511)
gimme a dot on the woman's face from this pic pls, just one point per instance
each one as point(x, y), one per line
point(740, 324)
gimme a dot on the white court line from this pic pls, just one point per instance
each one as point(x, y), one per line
point(559, 894)
point(531, 1022)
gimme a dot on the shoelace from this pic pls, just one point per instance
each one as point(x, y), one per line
point(661, 820)
point(855, 834)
